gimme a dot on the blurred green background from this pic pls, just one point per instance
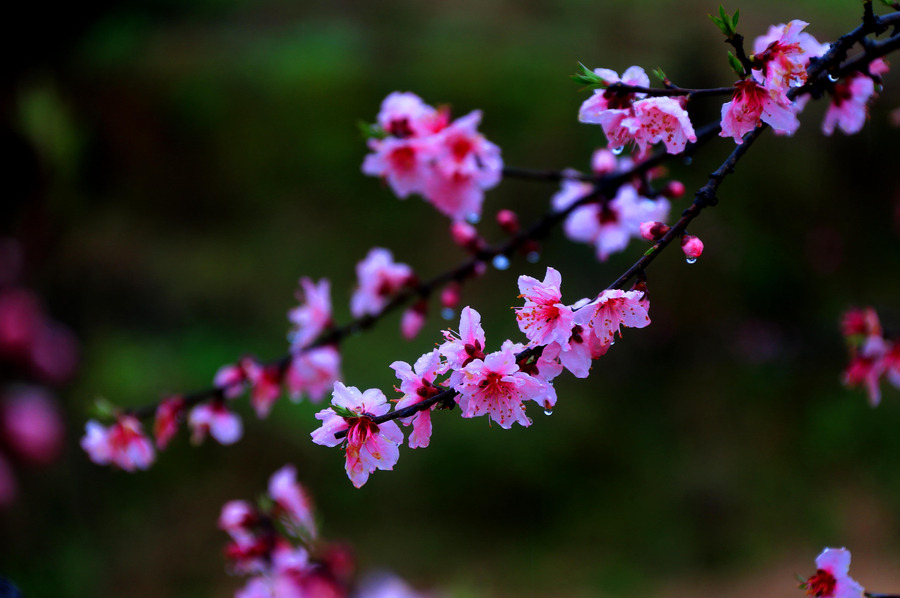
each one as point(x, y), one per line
point(178, 165)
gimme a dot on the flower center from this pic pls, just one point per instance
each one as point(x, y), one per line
point(821, 584)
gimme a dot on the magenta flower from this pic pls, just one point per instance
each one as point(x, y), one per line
point(832, 579)
point(784, 53)
point(168, 416)
point(606, 315)
point(417, 384)
point(123, 444)
point(265, 385)
point(293, 502)
point(606, 106)
point(313, 372)
point(543, 370)
point(404, 115)
point(231, 379)
point(313, 315)
point(413, 320)
point(32, 424)
point(369, 446)
point(379, 278)
point(494, 386)
point(849, 107)
point(403, 163)
point(237, 519)
point(662, 120)
point(464, 165)
point(544, 318)
point(752, 103)
point(578, 352)
point(691, 246)
point(215, 419)
point(461, 350)
point(610, 225)
point(867, 366)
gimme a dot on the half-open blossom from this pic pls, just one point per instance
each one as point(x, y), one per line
point(610, 225)
point(370, 446)
point(292, 501)
point(313, 372)
point(494, 386)
point(691, 246)
point(465, 164)
point(32, 424)
point(313, 315)
point(168, 416)
point(653, 231)
point(849, 105)
point(379, 278)
point(544, 318)
point(123, 444)
point(417, 384)
point(461, 350)
point(613, 309)
point(752, 103)
point(832, 579)
point(215, 419)
point(265, 384)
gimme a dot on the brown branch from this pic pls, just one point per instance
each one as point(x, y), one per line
point(622, 88)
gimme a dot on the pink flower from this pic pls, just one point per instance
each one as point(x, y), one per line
point(544, 369)
point(662, 120)
point(265, 384)
point(417, 384)
point(606, 105)
point(379, 279)
point(293, 502)
point(832, 579)
point(404, 115)
point(571, 191)
point(494, 386)
point(237, 519)
point(313, 315)
point(579, 351)
point(32, 424)
point(215, 419)
point(611, 225)
point(464, 165)
point(784, 53)
point(168, 416)
point(403, 163)
point(867, 366)
point(544, 318)
point(313, 372)
point(123, 444)
point(653, 231)
point(370, 446)
point(461, 350)
point(603, 162)
point(21, 319)
point(849, 109)
point(751, 103)
point(613, 309)
point(231, 379)
point(861, 322)
point(413, 320)
point(691, 246)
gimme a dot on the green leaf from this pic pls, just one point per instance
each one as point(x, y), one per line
point(723, 14)
point(588, 77)
point(104, 409)
point(651, 250)
point(736, 65)
point(343, 411)
point(660, 75)
point(370, 131)
point(734, 20)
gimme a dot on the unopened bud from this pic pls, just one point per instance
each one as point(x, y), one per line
point(508, 221)
point(691, 246)
point(653, 231)
point(465, 235)
point(414, 319)
point(673, 189)
point(451, 295)
point(603, 162)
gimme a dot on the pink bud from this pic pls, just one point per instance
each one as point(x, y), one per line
point(653, 231)
point(413, 320)
point(451, 295)
point(603, 162)
point(465, 235)
point(691, 246)
point(674, 190)
point(508, 221)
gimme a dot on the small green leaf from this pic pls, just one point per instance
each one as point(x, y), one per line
point(343, 411)
point(660, 75)
point(588, 77)
point(370, 131)
point(651, 250)
point(104, 409)
point(734, 20)
point(736, 65)
point(723, 14)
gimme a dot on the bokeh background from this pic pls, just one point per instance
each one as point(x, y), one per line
point(173, 167)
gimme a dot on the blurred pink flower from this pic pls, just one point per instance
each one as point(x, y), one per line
point(379, 277)
point(123, 444)
point(32, 424)
point(293, 502)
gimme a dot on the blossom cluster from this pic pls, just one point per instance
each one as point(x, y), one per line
point(419, 150)
point(275, 543)
point(482, 383)
point(871, 354)
point(36, 352)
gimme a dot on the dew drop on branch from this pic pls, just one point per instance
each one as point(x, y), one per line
point(691, 260)
point(617, 151)
point(533, 257)
point(501, 262)
point(833, 78)
point(448, 313)
point(687, 160)
point(548, 411)
point(473, 218)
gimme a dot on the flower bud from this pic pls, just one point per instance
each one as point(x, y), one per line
point(673, 189)
point(465, 235)
point(653, 231)
point(413, 319)
point(451, 295)
point(603, 162)
point(691, 246)
point(508, 221)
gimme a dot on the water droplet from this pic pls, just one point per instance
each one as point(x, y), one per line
point(833, 78)
point(548, 411)
point(473, 218)
point(879, 88)
point(688, 160)
point(691, 260)
point(448, 313)
point(617, 151)
point(533, 257)
point(530, 421)
point(501, 262)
